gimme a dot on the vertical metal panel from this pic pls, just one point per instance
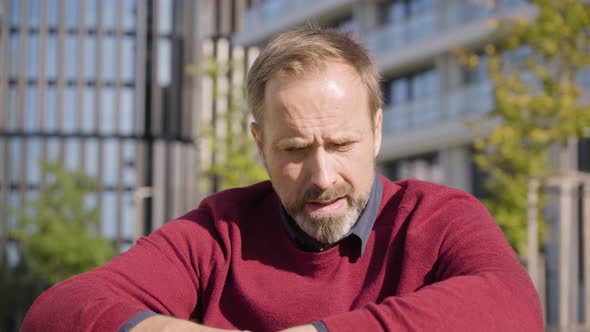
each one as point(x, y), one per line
point(21, 90)
point(190, 171)
point(139, 107)
point(206, 106)
point(159, 173)
point(225, 17)
point(118, 87)
point(61, 34)
point(80, 82)
point(22, 64)
point(565, 254)
point(532, 232)
point(140, 61)
point(98, 98)
point(156, 98)
point(4, 187)
point(586, 248)
point(42, 81)
point(190, 92)
point(4, 54)
point(4, 176)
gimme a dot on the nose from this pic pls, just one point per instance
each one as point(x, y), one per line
point(322, 170)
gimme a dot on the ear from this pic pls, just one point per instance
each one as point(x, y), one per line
point(257, 134)
point(378, 121)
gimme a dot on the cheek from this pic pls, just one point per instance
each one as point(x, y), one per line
point(284, 171)
point(358, 167)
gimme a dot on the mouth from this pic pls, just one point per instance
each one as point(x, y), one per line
point(326, 207)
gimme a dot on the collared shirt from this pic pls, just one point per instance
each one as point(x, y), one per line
point(360, 230)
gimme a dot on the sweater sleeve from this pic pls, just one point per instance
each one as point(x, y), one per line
point(479, 284)
point(158, 274)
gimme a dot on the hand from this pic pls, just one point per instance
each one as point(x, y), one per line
point(302, 328)
point(164, 323)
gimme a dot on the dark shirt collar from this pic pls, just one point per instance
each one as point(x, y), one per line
point(361, 229)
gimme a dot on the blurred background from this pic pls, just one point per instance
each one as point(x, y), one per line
point(119, 115)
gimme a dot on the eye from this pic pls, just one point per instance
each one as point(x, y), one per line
point(342, 146)
point(295, 149)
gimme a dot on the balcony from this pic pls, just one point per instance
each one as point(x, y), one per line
point(268, 18)
point(422, 37)
point(429, 123)
point(459, 104)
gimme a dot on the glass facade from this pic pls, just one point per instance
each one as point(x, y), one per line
point(411, 100)
point(81, 82)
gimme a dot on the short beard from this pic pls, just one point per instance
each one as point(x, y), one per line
point(329, 229)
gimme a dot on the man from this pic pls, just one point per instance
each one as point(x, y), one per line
point(326, 245)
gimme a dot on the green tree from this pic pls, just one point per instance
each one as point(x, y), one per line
point(234, 160)
point(535, 68)
point(56, 231)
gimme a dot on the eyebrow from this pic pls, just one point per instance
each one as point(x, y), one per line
point(301, 142)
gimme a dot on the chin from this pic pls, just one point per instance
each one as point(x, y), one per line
point(327, 228)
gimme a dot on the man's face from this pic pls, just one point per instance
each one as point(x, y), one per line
point(318, 145)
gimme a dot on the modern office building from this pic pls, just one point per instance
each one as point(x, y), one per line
point(430, 99)
point(109, 87)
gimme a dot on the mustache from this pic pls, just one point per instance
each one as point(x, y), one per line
point(317, 194)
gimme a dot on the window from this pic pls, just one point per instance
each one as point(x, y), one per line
point(91, 10)
point(50, 116)
point(419, 7)
point(110, 162)
point(128, 220)
point(14, 12)
point(128, 59)
point(400, 91)
point(13, 56)
point(129, 14)
point(109, 10)
point(71, 57)
point(126, 111)
point(34, 161)
point(52, 8)
point(91, 156)
point(51, 57)
point(34, 13)
point(129, 163)
point(69, 109)
point(164, 13)
point(33, 58)
point(15, 202)
point(392, 12)
point(71, 19)
point(403, 89)
point(11, 111)
point(31, 108)
point(15, 147)
point(87, 111)
point(72, 153)
point(107, 111)
point(53, 149)
point(109, 56)
point(108, 213)
point(90, 58)
point(164, 61)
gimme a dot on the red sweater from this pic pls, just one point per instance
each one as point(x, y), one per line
point(435, 260)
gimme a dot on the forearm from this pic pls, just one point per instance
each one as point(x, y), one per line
point(482, 302)
point(160, 323)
